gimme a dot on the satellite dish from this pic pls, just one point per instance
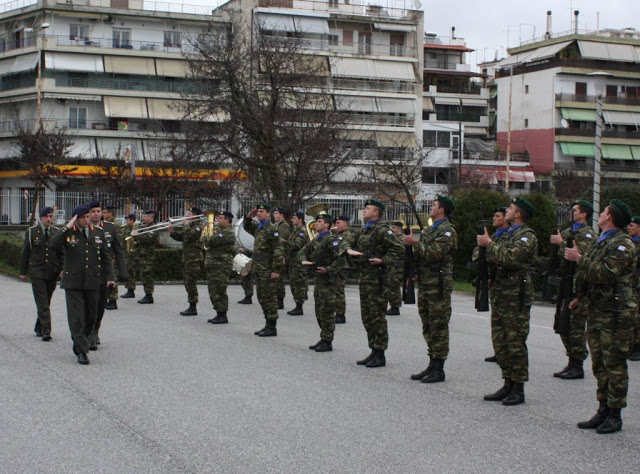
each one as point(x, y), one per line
point(564, 123)
point(417, 4)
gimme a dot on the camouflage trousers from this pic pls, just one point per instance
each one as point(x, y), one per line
point(133, 272)
point(190, 274)
point(112, 293)
point(217, 282)
point(299, 281)
point(435, 312)
point(373, 305)
point(281, 282)
point(575, 343)
point(394, 287)
point(324, 296)
point(247, 284)
point(266, 290)
point(340, 302)
point(610, 342)
point(146, 273)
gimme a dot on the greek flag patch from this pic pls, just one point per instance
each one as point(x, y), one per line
point(335, 243)
point(622, 248)
point(301, 234)
point(389, 232)
point(588, 236)
point(275, 234)
point(448, 234)
point(220, 235)
point(524, 239)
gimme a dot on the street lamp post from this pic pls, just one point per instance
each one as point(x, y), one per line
point(597, 161)
point(508, 164)
point(39, 47)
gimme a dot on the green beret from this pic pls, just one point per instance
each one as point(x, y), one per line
point(397, 224)
point(584, 203)
point(636, 220)
point(446, 203)
point(523, 204)
point(623, 209)
point(264, 205)
point(374, 202)
point(325, 217)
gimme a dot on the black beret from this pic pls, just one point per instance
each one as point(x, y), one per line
point(150, 211)
point(584, 203)
point(81, 210)
point(343, 217)
point(110, 207)
point(623, 209)
point(228, 215)
point(264, 205)
point(196, 211)
point(300, 215)
point(93, 204)
point(446, 203)
point(522, 203)
point(46, 210)
point(375, 202)
point(132, 217)
point(281, 210)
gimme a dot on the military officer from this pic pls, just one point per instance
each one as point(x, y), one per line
point(298, 275)
point(603, 285)
point(268, 262)
point(634, 232)
point(284, 230)
point(108, 215)
point(396, 274)
point(378, 248)
point(346, 239)
point(575, 343)
point(112, 240)
point(192, 257)
point(219, 249)
point(87, 264)
point(146, 252)
point(130, 255)
point(513, 255)
point(325, 255)
point(42, 265)
point(434, 254)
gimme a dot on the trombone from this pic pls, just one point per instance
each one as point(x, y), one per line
point(165, 225)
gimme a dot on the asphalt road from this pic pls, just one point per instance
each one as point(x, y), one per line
point(166, 393)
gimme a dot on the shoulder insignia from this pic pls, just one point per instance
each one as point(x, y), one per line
point(448, 234)
point(389, 232)
point(301, 234)
point(219, 235)
point(622, 248)
point(588, 236)
point(524, 239)
point(198, 229)
point(340, 238)
point(275, 234)
point(335, 243)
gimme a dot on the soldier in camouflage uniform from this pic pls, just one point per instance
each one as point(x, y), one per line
point(268, 262)
point(634, 232)
point(377, 248)
point(192, 258)
point(220, 248)
point(575, 343)
point(131, 256)
point(42, 265)
point(108, 215)
point(325, 255)
point(395, 278)
point(512, 296)
point(434, 254)
point(284, 229)
point(298, 275)
point(603, 285)
point(346, 239)
point(146, 252)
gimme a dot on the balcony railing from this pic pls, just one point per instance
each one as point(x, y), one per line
point(367, 49)
point(119, 43)
point(155, 85)
point(473, 89)
point(460, 117)
point(340, 6)
point(28, 42)
point(431, 64)
point(379, 119)
point(378, 86)
point(590, 133)
point(564, 97)
point(18, 81)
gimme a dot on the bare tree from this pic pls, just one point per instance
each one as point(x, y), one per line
point(569, 186)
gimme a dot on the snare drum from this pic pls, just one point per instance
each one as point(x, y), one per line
point(242, 264)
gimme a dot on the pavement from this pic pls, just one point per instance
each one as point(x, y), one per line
point(170, 394)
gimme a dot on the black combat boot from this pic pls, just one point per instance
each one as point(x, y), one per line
point(516, 397)
point(221, 318)
point(269, 330)
point(437, 373)
point(378, 359)
point(367, 359)
point(393, 311)
point(613, 422)
point(83, 359)
point(502, 393)
point(597, 419)
point(111, 304)
point(297, 311)
point(315, 346)
point(424, 373)
point(635, 355)
point(148, 299)
point(575, 370)
point(190, 311)
point(245, 300)
point(129, 294)
point(492, 358)
point(340, 319)
point(280, 302)
point(561, 373)
point(93, 345)
point(324, 346)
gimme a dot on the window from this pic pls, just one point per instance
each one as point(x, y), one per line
point(347, 37)
point(526, 89)
point(122, 38)
point(432, 139)
point(172, 39)
point(434, 175)
point(333, 40)
point(396, 44)
point(612, 91)
point(333, 3)
point(77, 117)
point(581, 88)
point(526, 123)
point(79, 32)
point(364, 43)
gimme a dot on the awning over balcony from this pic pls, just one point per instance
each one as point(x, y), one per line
point(126, 107)
point(635, 151)
point(310, 25)
point(356, 104)
point(447, 101)
point(578, 149)
point(56, 95)
point(394, 27)
point(609, 152)
point(396, 140)
point(171, 67)
point(163, 109)
point(617, 152)
point(271, 22)
point(492, 175)
point(616, 117)
point(535, 55)
point(609, 52)
point(127, 65)
point(427, 104)
point(396, 106)
point(372, 69)
point(73, 62)
point(580, 115)
point(25, 62)
point(474, 102)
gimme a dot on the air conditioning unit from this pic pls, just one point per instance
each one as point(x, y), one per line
point(62, 100)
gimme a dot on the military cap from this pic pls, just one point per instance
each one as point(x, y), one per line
point(132, 217)
point(150, 211)
point(300, 215)
point(110, 206)
point(343, 217)
point(397, 223)
point(81, 210)
point(622, 209)
point(636, 220)
point(228, 215)
point(93, 204)
point(264, 205)
point(196, 211)
point(375, 202)
point(523, 204)
point(325, 217)
point(584, 203)
point(503, 210)
point(45, 210)
point(446, 203)
point(281, 210)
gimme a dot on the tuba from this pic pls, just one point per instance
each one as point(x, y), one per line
point(209, 228)
point(315, 211)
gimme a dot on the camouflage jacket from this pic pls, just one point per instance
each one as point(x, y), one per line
point(297, 240)
point(324, 251)
point(189, 235)
point(514, 254)
point(284, 230)
point(146, 243)
point(38, 259)
point(435, 251)
point(220, 248)
point(268, 250)
point(377, 241)
point(584, 237)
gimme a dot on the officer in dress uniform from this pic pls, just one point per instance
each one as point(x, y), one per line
point(298, 275)
point(42, 265)
point(346, 239)
point(87, 264)
point(108, 215)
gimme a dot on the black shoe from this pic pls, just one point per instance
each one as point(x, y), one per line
point(491, 359)
point(46, 337)
point(111, 305)
point(280, 303)
point(98, 340)
point(573, 373)
point(129, 294)
point(437, 373)
point(501, 394)
point(245, 300)
point(39, 334)
point(148, 299)
point(367, 359)
point(340, 319)
point(297, 311)
point(597, 419)
point(268, 332)
point(315, 346)
point(257, 333)
point(221, 318)
point(516, 397)
point(83, 359)
point(393, 311)
point(559, 374)
point(612, 423)
point(378, 359)
point(93, 346)
point(324, 346)
point(190, 311)
point(635, 355)
point(424, 373)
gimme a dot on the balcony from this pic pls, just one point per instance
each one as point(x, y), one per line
point(591, 99)
point(112, 43)
point(341, 7)
point(340, 46)
point(107, 82)
point(590, 133)
point(473, 89)
point(382, 120)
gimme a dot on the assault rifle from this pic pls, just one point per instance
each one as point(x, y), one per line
point(482, 279)
point(408, 285)
point(565, 295)
point(552, 265)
